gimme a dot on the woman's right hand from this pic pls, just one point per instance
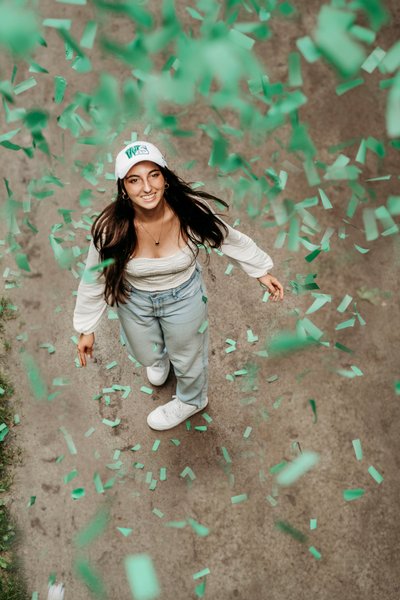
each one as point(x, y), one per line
point(85, 346)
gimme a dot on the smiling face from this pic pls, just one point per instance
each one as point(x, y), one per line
point(145, 184)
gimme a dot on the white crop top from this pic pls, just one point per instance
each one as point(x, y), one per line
point(157, 274)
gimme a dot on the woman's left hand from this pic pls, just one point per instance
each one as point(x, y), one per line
point(272, 284)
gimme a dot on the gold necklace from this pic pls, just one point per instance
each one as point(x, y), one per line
point(159, 237)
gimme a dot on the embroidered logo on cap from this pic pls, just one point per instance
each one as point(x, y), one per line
point(135, 150)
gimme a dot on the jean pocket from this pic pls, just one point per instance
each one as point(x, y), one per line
point(187, 290)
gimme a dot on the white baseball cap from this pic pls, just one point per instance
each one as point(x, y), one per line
point(136, 152)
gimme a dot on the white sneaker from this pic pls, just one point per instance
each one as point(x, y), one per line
point(171, 414)
point(158, 373)
point(56, 592)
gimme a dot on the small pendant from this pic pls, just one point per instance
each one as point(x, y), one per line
point(157, 243)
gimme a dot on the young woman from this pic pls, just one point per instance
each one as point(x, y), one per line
point(152, 232)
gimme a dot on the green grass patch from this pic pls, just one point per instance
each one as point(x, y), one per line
point(12, 583)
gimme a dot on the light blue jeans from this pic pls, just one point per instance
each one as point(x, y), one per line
point(155, 323)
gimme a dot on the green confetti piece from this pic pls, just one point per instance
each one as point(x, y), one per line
point(175, 442)
point(203, 327)
point(357, 449)
point(314, 409)
point(240, 372)
point(17, 419)
point(271, 500)
point(194, 14)
point(308, 49)
point(313, 523)
point(126, 531)
point(136, 447)
point(335, 43)
point(112, 364)
point(89, 432)
point(93, 530)
point(69, 441)
point(176, 524)
point(111, 423)
point(345, 324)
point(391, 62)
point(288, 341)
point(89, 35)
point(36, 382)
point(373, 60)
point(363, 34)
point(60, 85)
point(228, 269)
point(370, 225)
point(156, 445)
point(278, 467)
point(242, 40)
point(9, 135)
point(70, 476)
point(356, 370)
point(3, 431)
point(226, 455)
point(25, 85)
point(78, 493)
point(239, 498)
point(294, 77)
point(319, 302)
point(142, 577)
point(207, 417)
point(292, 531)
point(64, 258)
point(326, 203)
point(158, 513)
point(146, 390)
point(353, 494)
point(201, 428)
point(201, 530)
point(272, 378)
point(90, 577)
point(98, 483)
point(342, 88)
point(315, 552)
point(297, 468)
point(361, 250)
point(32, 501)
point(375, 474)
point(202, 573)
point(393, 108)
point(232, 346)
point(344, 303)
point(247, 432)
point(82, 64)
point(57, 23)
point(163, 474)
point(386, 220)
point(50, 347)
point(188, 471)
point(251, 338)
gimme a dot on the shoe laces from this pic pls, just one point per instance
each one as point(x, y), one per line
point(177, 407)
point(159, 363)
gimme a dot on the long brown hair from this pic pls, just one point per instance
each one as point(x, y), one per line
point(114, 234)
